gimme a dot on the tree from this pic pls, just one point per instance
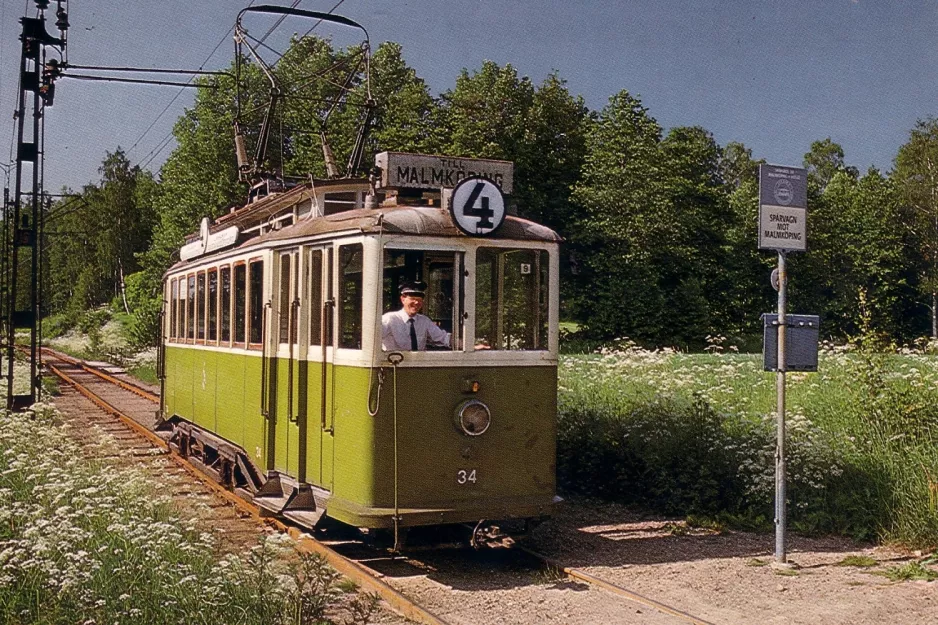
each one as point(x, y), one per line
point(694, 265)
point(94, 239)
point(405, 108)
point(737, 166)
point(623, 220)
point(916, 174)
point(824, 160)
point(550, 158)
point(859, 274)
point(746, 289)
point(484, 116)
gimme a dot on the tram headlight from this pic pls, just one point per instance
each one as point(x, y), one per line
point(473, 417)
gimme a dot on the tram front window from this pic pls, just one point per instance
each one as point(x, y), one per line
point(435, 273)
point(511, 298)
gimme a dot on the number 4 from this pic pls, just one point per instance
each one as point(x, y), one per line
point(484, 213)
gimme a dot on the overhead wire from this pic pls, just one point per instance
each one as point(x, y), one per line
point(278, 23)
point(176, 97)
point(157, 150)
point(60, 211)
point(307, 33)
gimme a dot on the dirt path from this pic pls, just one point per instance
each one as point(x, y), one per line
point(726, 578)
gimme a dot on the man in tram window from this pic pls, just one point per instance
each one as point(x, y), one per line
point(406, 329)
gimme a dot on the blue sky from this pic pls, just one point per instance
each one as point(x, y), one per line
point(775, 75)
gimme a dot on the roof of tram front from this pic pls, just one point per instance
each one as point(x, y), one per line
point(424, 221)
point(431, 221)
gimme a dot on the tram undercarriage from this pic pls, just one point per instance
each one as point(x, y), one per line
point(305, 505)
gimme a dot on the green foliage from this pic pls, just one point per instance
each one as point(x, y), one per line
point(91, 323)
point(695, 435)
point(912, 571)
point(143, 327)
point(860, 262)
point(653, 230)
point(95, 237)
point(917, 179)
point(661, 222)
point(622, 208)
point(824, 161)
point(145, 373)
point(56, 325)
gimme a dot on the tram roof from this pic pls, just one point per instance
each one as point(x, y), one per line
point(417, 220)
point(431, 221)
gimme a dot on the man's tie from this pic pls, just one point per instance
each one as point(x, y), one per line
point(413, 335)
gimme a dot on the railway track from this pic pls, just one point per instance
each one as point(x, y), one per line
point(133, 406)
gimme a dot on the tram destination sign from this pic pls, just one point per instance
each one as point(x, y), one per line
point(783, 208)
point(400, 170)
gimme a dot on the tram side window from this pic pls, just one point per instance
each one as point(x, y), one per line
point(256, 304)
point(512, 298)
point(181, 310)
point(443, 302)
point(213, 305)
point(240, 316)
point(190, 309)
point(173, 306)
point(200, 307)
point(350, 296)
point(285, 308)
point(315, 297)
point(225, 304)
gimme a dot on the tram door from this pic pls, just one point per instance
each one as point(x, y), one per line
point(287, 411)
point(319, 380)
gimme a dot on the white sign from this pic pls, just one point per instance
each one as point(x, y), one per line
point(477, 206)
point(782, 228)
point(421, 171)
point(208, 241)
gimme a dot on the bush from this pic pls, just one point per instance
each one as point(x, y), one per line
point(57, 325)
point(695, 434)
point(91, 323)
point(145, 305)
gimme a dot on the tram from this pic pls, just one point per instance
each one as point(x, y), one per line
point(276, 380)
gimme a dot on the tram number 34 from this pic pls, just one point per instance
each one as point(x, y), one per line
point(466, 477)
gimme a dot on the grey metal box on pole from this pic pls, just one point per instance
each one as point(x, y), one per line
point(801, 342)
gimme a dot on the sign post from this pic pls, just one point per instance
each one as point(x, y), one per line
point(783, 207)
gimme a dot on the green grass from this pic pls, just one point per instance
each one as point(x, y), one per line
point(694, 434)
point(911, 571)
point(145, 373)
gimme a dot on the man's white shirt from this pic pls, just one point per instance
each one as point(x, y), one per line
point(395, 332)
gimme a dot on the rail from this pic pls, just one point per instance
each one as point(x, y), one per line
point(361, 575)
point(304, 543)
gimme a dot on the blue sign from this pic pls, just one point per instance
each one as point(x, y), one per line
point(783, 186)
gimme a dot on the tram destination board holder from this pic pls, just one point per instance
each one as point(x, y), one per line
point(801, 342)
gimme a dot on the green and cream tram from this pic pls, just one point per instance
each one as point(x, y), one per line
point(276, 380)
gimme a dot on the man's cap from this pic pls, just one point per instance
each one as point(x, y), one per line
point(414, 289)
